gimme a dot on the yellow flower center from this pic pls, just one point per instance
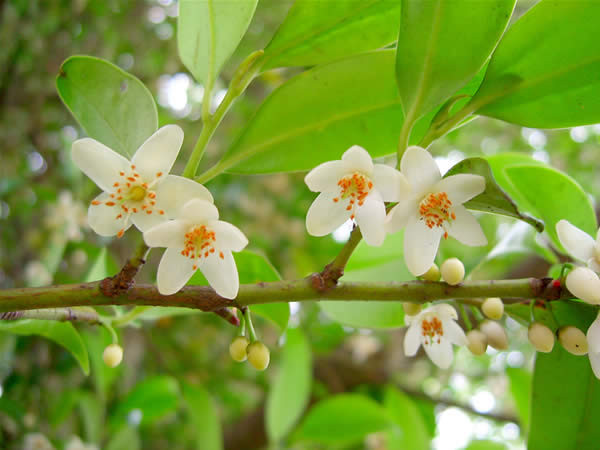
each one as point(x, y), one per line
point(199, 243)
point(435, 210)
point(354, 188)
point(137, 193)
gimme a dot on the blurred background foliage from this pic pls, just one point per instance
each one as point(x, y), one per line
point(156, 398)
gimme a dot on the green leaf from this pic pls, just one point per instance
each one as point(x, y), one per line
point(154, 397)
point(500, 162)
point(385, 263)
point(544, 73)
point(63, 333)
point(100, 268)
point(111, 105)
point(412, 431)
point(343, 418)
point(255, 268)
point(126, 438)
point(290, 391)
point(92, 417)
point(566, 394)
point(493, 199)
point(208, 32)
point(520, 389)
point(204, 416)
point(436, 56)
point(485, 445)
point(318, 32)
point(553, 196)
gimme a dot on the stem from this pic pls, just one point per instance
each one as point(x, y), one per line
point(465, 317)
point(448, 125)
point(244, 74)
point(121, 282)
point(248, 317)
point(59, 314)
point(205, 298)
point(130, 316)
point(404, 137)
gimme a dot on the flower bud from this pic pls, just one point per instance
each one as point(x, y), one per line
point(433, 274)
point(258, 355)
point(573, 340)
point(113, 355)
point(496, 335)
point(541, 337)
point(584, 284)
point(237, 348)
point(493, 308)
point(476, 342)
point(453, 271)
point(411, 309)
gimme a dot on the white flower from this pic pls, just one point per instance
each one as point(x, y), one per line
point(434, 328)
point(196, 239)
point(582, 282)
point(139, 191)
point(352, 188)
point(593, 340)
point(433, 209)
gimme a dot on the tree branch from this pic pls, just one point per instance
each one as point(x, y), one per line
point(206, 299)
point(60, 314)
point(121, 282)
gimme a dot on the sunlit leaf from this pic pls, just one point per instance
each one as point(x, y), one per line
point(520, 389)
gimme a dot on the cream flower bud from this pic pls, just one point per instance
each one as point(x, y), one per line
point(258, 355)
point(476, 342)
point(411, 309)
point(433, 274)
point(495, 334)
point(584, 284)
point(573, 340)
point(493, 308)
point(237, 348)
point(541, 337)
point(453, 271)
point(113, 355)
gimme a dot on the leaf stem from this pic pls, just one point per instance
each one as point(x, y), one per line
point(465, 317)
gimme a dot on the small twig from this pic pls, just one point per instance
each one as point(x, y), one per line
point(59, 314)
point(123, 281)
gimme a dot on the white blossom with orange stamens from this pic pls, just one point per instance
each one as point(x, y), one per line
point(139, 191)
point(433, 209)
point(436, 330)
point(196, 239)
point(352, 188)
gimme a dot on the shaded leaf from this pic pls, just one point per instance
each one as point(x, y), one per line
point(412, 431)
point(520, 389)
point(204, 416)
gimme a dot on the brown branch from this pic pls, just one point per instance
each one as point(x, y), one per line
point(123, 281)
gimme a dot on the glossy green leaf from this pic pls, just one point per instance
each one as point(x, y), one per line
point(566, 394)
point(385, 263)
point(553, 196)
point(208, 32)
point(318, 32)
point(204, 416)
point(111, 105)
point(343, 418)
point(100, 267)
point(493, 199)
point(544, 73)
point(501, 161)
point(255, 268)
point(290, 391)
point(63, 333)
point(154, 397)
point(412, 431)
point(520, 389)
point(436, 55)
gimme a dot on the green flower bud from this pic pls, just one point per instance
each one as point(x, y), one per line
point(113, 355)
point(237, 348)
point(258, 355)
point(411, 309)
point(493, 308)
point(453, 271)
point(433, 274)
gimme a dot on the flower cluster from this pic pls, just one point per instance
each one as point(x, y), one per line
point(170, 210)
point(429, 207)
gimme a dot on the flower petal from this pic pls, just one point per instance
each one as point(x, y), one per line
point(444, 310)
point(593, 337)
point(325, 176)
point(412, 339)
point(593, 264)
point(454, 333)
point(391, 183)
point(584, 284)
point(420, 246)
point(103, 219)
point(325, 215)
point(465, 228)
point(221, 273)
point(159, 152)
point(370, 218)
point(174, 192)
point(357, 158)
point(400, 214)
point(440, 354)
point(595, 363)
point(144, 221)
point(228, 236)
point(198, 211)
point(98, 162)
point(461, 188)
point(167, 234)
point(579, 244)
point(174, 271)
point(420, 169)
